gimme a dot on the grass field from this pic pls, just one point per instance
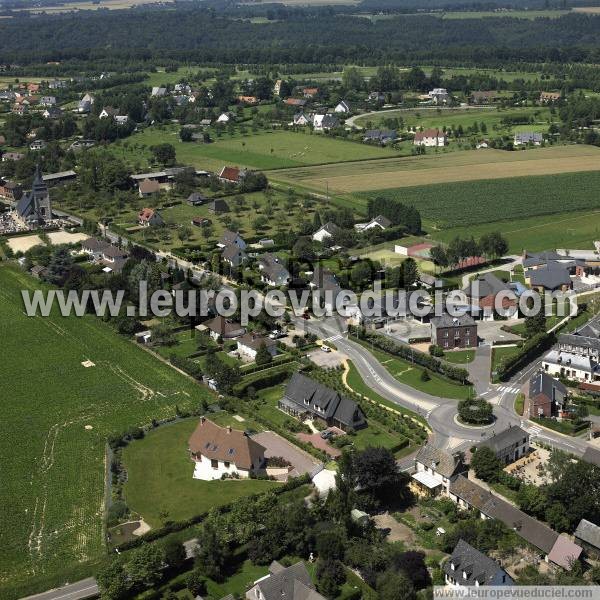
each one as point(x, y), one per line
point(159, 478)
point(89, 5)
point(56, 417)
point(453, 117)
point(260, 150)
point(472, 203)
point(564, 230)
point(443, 167)
point(512, 14)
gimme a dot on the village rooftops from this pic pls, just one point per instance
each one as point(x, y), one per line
point(447, 321)
point(551, 276)
point(225, 444)
point(508, 437)
point(440, 461)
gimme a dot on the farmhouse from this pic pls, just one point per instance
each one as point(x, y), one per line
point(148, 187)
point(469, 567)
point(158, 91)
point(299, 102)
point(434, 469)
point(301, 120)
point(546, 395)
point(439, 96)
point(310, 92)
point(551, 277)
point(232, 175)
point(223, 451)
point(306, 398)
point(454, 332)
point(430, 137)
point(148, 217)
point(52, 112)
point(508, 445)
point(291, 583)
point(249, 344)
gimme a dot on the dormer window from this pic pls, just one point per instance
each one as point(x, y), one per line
point(452, 566)
point(464, 574)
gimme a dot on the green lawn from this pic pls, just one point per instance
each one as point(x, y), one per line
point(454, 117)
point(519, 403)
point(159, 473)
point(57, 415)
point(410, 375)
point(261, 150)
point(499, 353)
point(459, 357)
point(566, 427)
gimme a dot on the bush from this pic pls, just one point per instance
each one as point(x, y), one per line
point(477, 411)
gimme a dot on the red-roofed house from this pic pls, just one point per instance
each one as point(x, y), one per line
point(148, 217)
point(310, 92)
point(430, 137)
point(231, 175)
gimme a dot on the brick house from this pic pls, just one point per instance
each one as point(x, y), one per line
point(454, 332)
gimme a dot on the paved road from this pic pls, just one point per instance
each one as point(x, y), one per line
point(86, 588)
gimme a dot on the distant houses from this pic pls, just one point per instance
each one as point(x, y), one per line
point(525, 138)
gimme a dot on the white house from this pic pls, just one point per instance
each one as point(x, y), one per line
point(430, 137)
point(121, 119)
point(301, 120)
point(325, 122)
point(434, 470)
point(439, 95)
point(223, 451)
point(249, 344)
point(342, 107)
point(379, 222)
point(325, 232)
point(159, 91)
point(225, 117)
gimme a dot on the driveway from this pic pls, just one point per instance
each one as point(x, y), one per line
point(491, 331)
point(327, 360)
point(278, 446)
point(318, 442)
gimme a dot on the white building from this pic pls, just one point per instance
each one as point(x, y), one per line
point(430, 137)
point(342, 107)
point(325, 232)
point(249, 344)
point(439, 95)
point(325, 122)
point(223, 451)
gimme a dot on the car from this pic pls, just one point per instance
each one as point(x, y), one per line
point(327, 435)
point(276, 335)
point(326, 348)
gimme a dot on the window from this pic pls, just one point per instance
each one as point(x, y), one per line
point(226, 463)
point(214, 463)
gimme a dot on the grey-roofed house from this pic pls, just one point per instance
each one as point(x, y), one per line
point(223, 328)
point(380, 136)
point(483, 291)
point(325, 232)
point(546, 395)
point(289, 583)
point(272, 270)
point(552, 276)
point(234, 256)
point(229, 238)
point(508, 445)
point(450, 332)
point(195, 199)
point(305, 397)
point(528, 137)
point(434, 469)
point(467, 566)
point(94, 247)
point(587, 535)
point(379, 222)
point(250, 343)
point(218, 206)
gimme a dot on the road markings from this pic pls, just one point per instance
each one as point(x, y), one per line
point(509, 390)
point(333, 338)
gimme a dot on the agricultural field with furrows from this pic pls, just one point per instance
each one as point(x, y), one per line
point(260, 150)
point(472, 203)
point(57, 414)
point(443, 166)
point(563, 230)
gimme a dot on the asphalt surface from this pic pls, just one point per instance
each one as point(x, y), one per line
point(86, 588)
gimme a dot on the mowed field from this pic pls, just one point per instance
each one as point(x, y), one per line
point(56, 416)
point(440, 167)
point(261, 150)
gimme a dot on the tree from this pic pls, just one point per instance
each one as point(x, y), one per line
point(113, 581)
point(174, 553)
point(330, 575)
point(535, 324)
point(394, 585)
point(532, 500)
point(145, 565)
point(376, 472)
point(477, 411)
point(162, 335)
point(212, 553)
point(164, 154)
point(263, 356)
point(186, 134)
point(485, 464)
point(412, 564)
point(410, 272)
point(59, 266)
point(196, 583)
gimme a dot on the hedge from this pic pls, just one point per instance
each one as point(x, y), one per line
point(530, 350)
point(410, 354)
point(264, 379)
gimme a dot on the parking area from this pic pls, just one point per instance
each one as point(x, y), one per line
point(277, 446)
point(327, 360)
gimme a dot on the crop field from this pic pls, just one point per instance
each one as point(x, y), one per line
point(89, 5)
point(575, 230)
point(443, 167)
point(56, 417)
point(465, 117)
point(262, 150)
point(472, 203)
point(512, 14)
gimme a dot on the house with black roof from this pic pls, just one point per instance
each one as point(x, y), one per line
point(289, 583)
point(547, 395)
point(218, 206)
point(508, 445)
point(306, 398)
point(469, 567)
